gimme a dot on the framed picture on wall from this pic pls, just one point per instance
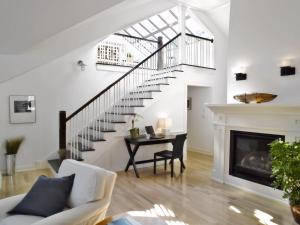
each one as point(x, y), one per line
point(22, 109)
point(189, 103)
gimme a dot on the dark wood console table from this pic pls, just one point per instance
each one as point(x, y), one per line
point(137, 142)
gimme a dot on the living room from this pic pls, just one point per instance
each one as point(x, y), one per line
point(114, 106)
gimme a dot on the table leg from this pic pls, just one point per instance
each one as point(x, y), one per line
point(131, 160)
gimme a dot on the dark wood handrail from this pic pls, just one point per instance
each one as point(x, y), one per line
point(199, 37)
point(139, 38)
point(122, 77)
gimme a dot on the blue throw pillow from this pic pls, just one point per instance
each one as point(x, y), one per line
point(47, 196)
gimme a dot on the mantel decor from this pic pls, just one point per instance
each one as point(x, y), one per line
point(22, 109)
point(254, 97)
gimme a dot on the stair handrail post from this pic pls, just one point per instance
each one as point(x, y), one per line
point(182, 40)
point(62, 129)
point(160, 59)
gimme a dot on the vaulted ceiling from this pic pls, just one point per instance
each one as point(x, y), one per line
point(27, 22)
point(35, 32)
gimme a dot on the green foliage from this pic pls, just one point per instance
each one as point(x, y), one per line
point(286, 169)
point(12, 145)
point(136, 118)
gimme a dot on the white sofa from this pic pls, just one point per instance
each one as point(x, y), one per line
point(89, 199)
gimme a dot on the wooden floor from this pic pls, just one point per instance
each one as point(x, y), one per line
point(21, 182)
point(188, 199)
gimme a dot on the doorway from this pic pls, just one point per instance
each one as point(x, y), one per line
point(199, 120)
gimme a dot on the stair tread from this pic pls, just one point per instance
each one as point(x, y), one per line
point(55, 164)
point(125, 99)
point(121, 113)
point(83, 148)
point(132, 106)
point(102, 129)
point(91, 138)
point(108, 130)
point(149, 85)
point(112, 121)
point(165, 72)
point(145, 91)
point(161, 78)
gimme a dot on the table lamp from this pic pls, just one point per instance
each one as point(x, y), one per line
point(163, 125)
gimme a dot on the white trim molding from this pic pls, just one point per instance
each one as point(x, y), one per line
point(260, 118)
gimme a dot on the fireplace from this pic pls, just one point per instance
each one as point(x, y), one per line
point(249, 156)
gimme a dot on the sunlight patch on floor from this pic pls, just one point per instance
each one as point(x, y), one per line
point(264, 218)
point(161, 211)
point(235, 209)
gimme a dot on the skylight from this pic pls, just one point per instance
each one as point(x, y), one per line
point(165, 24)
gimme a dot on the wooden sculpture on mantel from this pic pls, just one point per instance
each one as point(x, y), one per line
point(254, 97)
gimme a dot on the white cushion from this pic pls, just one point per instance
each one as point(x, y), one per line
point(20, 220)
point(89, 182)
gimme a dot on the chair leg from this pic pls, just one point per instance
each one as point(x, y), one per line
point(165, 164)
point(181, 166)
point(172, 168)
point(154, 167)
point(181, 160)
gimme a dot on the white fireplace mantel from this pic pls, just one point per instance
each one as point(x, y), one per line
point(260, 118)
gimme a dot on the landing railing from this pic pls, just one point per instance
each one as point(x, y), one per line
point(199, 51)
point(88, 123)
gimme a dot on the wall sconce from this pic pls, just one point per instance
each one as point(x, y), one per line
point(81, 64)
point(287, 70)
point(241, 75)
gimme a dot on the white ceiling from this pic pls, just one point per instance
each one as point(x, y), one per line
point(217, 10)
point(221, 16)
point(205, 4)
point(26, 23)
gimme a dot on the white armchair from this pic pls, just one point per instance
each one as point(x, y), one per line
point(89, 199)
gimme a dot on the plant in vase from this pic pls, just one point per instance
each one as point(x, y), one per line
point(12, 147)
point(134, 131)
point(129, 57)
point(286, 171)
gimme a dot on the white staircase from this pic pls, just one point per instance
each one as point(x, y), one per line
point(106, 114)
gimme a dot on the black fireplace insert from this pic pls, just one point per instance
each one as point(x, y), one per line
point(250, 157)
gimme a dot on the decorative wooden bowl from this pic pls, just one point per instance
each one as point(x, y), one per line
point(254, 97)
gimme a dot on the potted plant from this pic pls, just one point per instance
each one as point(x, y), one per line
point(12, 147)
point(134, 131)
point(129, 57)
point(286, 171)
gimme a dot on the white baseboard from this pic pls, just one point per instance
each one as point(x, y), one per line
point(38, 165)
point(204, 152)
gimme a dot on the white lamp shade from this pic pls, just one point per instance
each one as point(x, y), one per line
point(163, 124)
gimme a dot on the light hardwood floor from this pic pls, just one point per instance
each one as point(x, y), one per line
point(191, 198)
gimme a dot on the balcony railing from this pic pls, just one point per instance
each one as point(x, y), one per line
point(199, 51)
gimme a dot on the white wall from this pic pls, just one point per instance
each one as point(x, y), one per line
point(263, 34)
point(221, 45)
point(59, 85)
point(200, 120)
